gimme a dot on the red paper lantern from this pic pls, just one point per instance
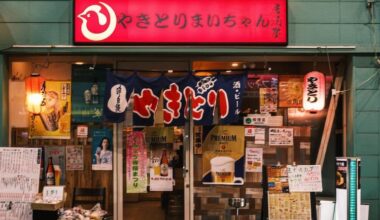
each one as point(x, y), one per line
point(314, 91)
point(34, 93)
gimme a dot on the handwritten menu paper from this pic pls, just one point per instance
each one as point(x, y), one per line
point(19, 180)
point(289, 206)
point(53, 193)
point(15, 211)
point(19, 173)
point(304, 178)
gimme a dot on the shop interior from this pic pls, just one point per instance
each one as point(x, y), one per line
point(308, 127)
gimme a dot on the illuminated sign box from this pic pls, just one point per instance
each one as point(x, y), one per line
point(108, 22)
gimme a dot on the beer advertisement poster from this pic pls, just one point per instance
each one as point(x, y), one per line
point(88, 87)
point(74, 157)
point(54, 120)
point(102, 149)
point(253, 160)
point(223, 155)
point(57, 153)
point(136, 162)
point(162, 157)
point(290, 91)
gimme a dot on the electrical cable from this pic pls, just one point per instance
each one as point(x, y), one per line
point(362, 83)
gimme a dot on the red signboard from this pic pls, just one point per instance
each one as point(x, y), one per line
point(180, 22)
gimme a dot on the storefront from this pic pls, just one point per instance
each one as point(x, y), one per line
point(273, 76)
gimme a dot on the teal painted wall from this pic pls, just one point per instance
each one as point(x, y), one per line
point(366, 129)
point(311, 22)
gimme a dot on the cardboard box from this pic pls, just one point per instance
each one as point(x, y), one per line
point(47, 206)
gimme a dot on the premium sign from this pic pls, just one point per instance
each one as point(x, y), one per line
point(185, 21)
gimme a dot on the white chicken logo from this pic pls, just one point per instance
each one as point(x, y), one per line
point(102, 20)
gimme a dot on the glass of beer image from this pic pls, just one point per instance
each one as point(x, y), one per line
point(58, 174)
point(156, 166)
point(223, 169)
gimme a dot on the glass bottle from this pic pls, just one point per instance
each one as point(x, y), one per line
point(95, 93)
point(50, 174)
point(164, 164)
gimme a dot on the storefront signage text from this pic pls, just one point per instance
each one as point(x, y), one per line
point(186, 21)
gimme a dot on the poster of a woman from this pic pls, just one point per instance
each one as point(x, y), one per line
point(102, 149)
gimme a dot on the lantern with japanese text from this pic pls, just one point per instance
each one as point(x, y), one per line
point(34, 93)
point(314, 91)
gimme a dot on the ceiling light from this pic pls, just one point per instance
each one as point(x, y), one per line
point(234, 64)
point(79, 63)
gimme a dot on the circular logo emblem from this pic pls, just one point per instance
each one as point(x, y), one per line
point(88, 15)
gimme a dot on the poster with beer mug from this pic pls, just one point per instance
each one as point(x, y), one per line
point(57, 153)
point(162, 157)
point(223, 155)
point(54, 120)
point(88, 92)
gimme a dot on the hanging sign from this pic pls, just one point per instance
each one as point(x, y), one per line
point(186, 21)
point(136, 162)
point(314, 91)
point(204, 92)
point(223, 156)
point(117, 96)
point(146, 96)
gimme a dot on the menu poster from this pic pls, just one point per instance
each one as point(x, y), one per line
point(88, 92)
point(223, 155)
point(277, 179)
point(268, 100)
point(281, 136)
point(305, 178)
point(289, 206)
point(291, 91)
point(254, 160)
point(58, 155)
point(19, 181)
point(136, 162)
point(251, 97)
point(54, 121)
point(102, 149)
point(74, 157)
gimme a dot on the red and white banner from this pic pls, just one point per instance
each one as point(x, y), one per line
point(136, 162)
point(185, 21)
